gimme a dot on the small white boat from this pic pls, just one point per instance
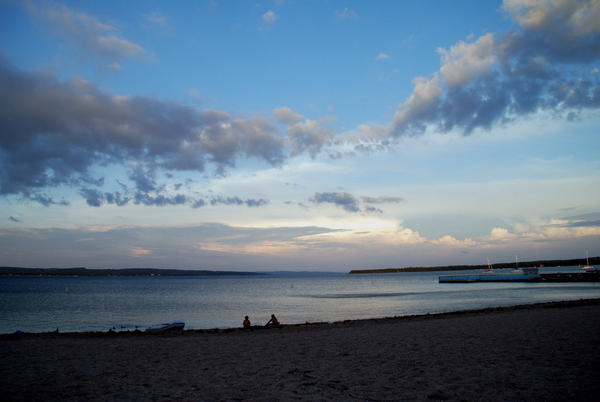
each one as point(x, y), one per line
point(166, 327)
point(587, 266)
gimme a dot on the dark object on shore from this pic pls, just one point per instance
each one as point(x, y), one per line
point(170, 327)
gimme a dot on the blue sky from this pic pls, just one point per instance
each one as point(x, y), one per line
point(313, 135)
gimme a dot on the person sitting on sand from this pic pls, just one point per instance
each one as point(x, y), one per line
point(272, 322)
point(247, 323)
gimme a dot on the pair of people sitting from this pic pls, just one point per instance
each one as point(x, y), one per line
point(273, 322)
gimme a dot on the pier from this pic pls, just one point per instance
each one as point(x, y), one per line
point(591, 276)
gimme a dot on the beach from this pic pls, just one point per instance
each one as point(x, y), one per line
point(548, 351)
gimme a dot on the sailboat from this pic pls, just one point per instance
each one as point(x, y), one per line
point(489, 275)
point(587, 266)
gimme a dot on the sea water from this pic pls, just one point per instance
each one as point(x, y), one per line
point(45, 303)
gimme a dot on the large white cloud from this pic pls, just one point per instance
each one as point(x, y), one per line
point(464, 61)
point(544, 64)
point(575, 16)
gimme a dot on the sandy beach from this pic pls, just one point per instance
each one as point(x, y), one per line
point(541, 352)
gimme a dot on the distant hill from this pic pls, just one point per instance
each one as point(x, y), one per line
point(522, 264)
point(81, 271)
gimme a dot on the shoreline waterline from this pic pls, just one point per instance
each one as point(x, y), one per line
point(312, 325)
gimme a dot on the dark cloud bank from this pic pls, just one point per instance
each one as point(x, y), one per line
point(53, 132)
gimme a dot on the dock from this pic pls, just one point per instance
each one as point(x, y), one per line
point(590, 276)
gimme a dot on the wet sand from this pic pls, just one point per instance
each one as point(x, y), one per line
point(540, 352)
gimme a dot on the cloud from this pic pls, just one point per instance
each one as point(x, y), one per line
point(346, 14)
point(238, 201)
point(269, 17)
point(96, 198)
point(465, 61)
point(114, 66)
point(304, 135)
point(344, 200)
point(451, 241)
point(382, 199)
point(372, 209)
point(93, 197)
point(198, 203)
point(578, 17)
point(583, 224)
point(501, 234)
point(143, 179)
point(256, 202)
point(116, 198)
point(146, 191)
point(500, 77)
point(139, 252)
point(286, 116)
point(419, 108)
point(308, 136)
point(87, 34)
point(382, 56)
point(159, 200)
point(42, 198)
point(351, 203)
point(156, 18)
point(53, 132)
point(591, 219)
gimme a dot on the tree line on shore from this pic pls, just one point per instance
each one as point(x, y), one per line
point(82, 271)
point(523, 264)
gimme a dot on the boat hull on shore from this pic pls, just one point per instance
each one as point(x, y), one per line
point(174, 326)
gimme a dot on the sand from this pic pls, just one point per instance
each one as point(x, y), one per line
point(541, 352)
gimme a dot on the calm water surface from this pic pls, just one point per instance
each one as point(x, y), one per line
point(38, 304)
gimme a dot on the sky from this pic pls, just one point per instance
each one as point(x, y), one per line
point(298, 135)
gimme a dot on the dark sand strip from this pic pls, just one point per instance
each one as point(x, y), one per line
point(538, 352)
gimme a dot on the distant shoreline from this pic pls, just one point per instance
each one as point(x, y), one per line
point(82, 271)
point(521, 264)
